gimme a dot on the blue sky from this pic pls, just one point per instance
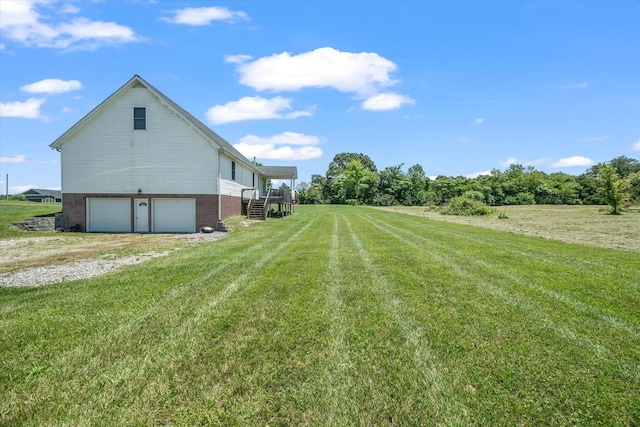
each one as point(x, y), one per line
point(458, 87)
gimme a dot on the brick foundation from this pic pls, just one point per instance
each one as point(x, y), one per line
point(74, 206)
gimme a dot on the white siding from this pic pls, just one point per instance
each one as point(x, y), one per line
point(231, 188)
point(243, 178)
point(107, 155)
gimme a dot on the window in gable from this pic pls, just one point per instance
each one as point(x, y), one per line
point(139, 118)
point(233, 170)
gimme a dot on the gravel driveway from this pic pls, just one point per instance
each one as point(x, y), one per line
point(16, 251)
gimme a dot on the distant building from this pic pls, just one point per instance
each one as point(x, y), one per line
point(43, 196)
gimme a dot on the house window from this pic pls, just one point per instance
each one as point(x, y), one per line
point(233, 171)
point(139, 118)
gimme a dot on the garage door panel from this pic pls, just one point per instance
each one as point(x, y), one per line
point(174, 215)
point(109, 215)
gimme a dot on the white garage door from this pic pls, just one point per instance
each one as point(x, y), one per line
point(108, 215)
point(174, 215)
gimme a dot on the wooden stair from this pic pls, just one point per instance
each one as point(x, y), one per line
point(256, 209)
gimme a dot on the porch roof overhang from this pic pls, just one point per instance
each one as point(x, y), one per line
point(279, 172)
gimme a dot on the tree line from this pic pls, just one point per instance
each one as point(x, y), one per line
point(352, 178)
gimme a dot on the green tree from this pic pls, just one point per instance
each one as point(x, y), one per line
point(419, 184)
point(309, 194)
point(393, 186)
point(634, 191)
point(359, 183)
point(612, 188)
point(340, 161)
point(355, 184)
point(334, 183)
point(623, 165)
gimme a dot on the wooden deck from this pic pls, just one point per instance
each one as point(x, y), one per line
point(275, 204)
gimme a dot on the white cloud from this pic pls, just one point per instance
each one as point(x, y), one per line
point(69, 9)
point(52, 86)
point(253, 108)
point(573, 161)
point(237, 59)
point(515, 161)
point(23, 22)
point(12, 159)
point(594, 138)
point(362, 73)
point(477, 174)
point(29, 109)
point(386, 101)
point(284, 146)
point(198, 16)
point(572, 86)
point(478, 121)
point(636, 146)
point(284, 138)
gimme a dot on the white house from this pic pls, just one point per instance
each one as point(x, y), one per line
point(138, 162)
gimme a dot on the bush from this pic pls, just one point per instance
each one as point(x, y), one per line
point(466, 206)
point(385, 200)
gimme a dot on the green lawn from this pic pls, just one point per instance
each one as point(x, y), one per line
point(12, 211)
point(334, 316)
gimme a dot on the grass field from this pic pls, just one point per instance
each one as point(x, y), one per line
point(334, 316)
point(586, 225)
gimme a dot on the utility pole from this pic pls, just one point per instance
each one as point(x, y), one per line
point(6, 181)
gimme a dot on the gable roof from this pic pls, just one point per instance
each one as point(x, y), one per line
point(39, 194)
point(137, 81)
point(36, 191)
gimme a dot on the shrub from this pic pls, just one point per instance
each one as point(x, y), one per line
point(474, 195)
point(466, 206)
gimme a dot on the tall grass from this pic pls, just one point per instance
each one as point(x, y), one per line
point(334, 316)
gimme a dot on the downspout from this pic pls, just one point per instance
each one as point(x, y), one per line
point(219, 190)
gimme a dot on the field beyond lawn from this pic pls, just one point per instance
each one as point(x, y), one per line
point(584, 224)
point(336, 315)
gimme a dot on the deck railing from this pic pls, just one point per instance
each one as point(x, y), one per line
point(281, 196)
point(249, 194)
point(267, 205)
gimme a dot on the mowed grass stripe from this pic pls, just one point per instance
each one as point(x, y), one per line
point(502, 255)
point(157, 330)
point(338, 381)
point(154, 299)
point(579, 256)
point(504, 342)
point(514, 286)
point(227, 351)
point(344, 323)
point(443, 408)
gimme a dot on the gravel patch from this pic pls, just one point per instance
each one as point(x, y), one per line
point(201, 237)
point(80, 269)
